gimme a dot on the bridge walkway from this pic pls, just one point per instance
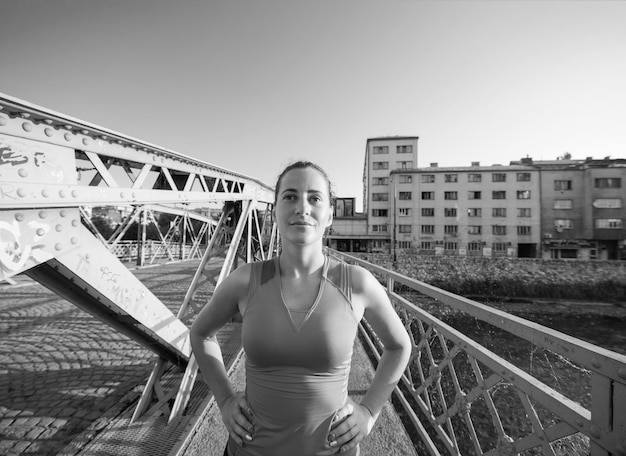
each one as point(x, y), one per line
point(69, 383)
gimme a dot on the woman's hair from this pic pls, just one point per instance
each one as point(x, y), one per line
point(302, 164)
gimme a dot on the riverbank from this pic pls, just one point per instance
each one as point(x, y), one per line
point(492, 279)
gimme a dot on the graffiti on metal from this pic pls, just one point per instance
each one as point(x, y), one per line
point(22, 160)
point(30, 237)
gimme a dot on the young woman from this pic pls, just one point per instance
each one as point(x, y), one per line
point(300, 314)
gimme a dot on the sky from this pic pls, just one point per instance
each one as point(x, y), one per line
point(253, 85)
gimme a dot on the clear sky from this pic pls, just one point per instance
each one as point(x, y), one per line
point(252, 85)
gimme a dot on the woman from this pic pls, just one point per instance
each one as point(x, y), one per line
point(300, 314)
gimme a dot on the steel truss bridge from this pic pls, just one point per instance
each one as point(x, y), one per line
point(71, 194)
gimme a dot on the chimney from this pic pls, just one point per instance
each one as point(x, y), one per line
point(434, 165)
point(475, 163)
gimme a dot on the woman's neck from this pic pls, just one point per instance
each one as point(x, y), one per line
point(300, 262)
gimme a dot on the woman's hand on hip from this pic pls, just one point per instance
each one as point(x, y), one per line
point(351, 424)
point(237, 417)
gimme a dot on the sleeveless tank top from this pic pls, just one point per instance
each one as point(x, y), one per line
point(296, 368)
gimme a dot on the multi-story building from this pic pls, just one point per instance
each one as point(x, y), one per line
point(551, 209)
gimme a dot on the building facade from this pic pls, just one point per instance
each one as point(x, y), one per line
point(534, 209)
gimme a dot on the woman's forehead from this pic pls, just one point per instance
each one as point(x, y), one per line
point(304, 178)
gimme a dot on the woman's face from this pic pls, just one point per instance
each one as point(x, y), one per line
point(303, 210)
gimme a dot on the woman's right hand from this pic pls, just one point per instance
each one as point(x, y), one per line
point(237, 417)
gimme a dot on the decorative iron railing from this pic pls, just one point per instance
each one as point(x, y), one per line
point(567, 398)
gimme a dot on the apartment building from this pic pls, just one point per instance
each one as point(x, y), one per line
point(475, 210)
point(582, 208)
point(536, 209)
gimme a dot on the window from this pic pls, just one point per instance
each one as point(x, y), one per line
point(523, 212)
point(474, 246)
point(405, 179)
point(612, 224)
point(474, 229)
point(381, 150)
point(428, 195)
point(499, 212)
point(405, 228)
point(404, 149)
point(381, 165)
point(428, 212)
point(404, 195)
point(608, 182)
point(563, 204)
point(523, 177)
point(451, 229)
point(379, 212)
point(428, 229)
point(499, 246)
point(563, 224)
point(474, 212)
point(428, 245)
point(473, 195)
point(607, 203)
point(451, 178)
point(498, 195)
point(474, 177)
point(523, 194)
point(451, 195)
point(405, 164)
point(560, 185)
point(428, 178)
point(380, 196)
point(523, 230)
point(498, 229)
point(379, 228)
point(404, 244)
point(380, 181)
point(404, 212)
point(449, 212)
point(498, 177)
point(448, 245)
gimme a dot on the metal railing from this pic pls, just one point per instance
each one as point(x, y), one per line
point(463, 398)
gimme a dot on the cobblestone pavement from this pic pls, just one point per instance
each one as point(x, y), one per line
point(62, 371)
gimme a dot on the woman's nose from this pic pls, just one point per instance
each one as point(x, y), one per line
point(303, 207)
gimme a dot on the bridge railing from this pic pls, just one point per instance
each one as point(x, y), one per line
point(555, 395)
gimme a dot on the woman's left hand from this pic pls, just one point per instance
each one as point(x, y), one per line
point(351, 424)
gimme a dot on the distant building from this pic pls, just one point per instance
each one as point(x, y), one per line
point(551, 209)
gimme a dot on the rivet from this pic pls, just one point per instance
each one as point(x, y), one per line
point(621, 372)
point(75, 223)
point(73, 240)
point(595, 432)
point(27, 126)
point(86, 141)
point(3, 121)
point(595, 363)
point(48, 131)
point(58, 246)
point(74, 193)
point(19, 216)
point(43, 214)
point(40, 231)
point(67, 137)
point(22, 172)
point(63, 213)
point(62, 193)
point(21, 192)
point(579, 422)
point(45, 193)
point(59, 228)
point(87, 256)
point(122, 195)
point(133, 195)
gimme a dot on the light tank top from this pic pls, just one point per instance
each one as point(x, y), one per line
point(296, 368)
